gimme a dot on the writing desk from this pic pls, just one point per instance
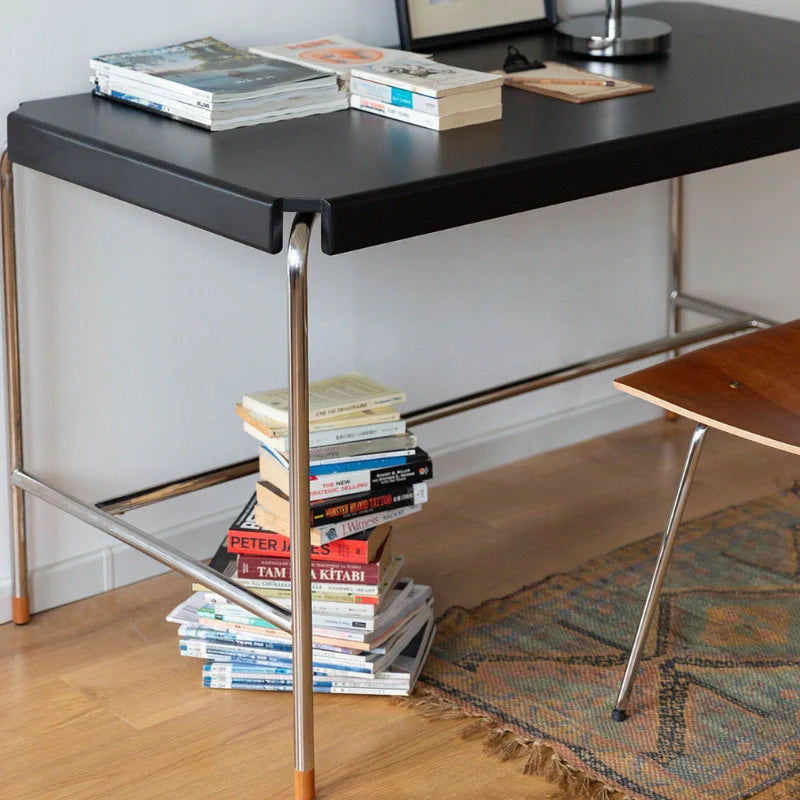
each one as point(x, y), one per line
point(727, 92)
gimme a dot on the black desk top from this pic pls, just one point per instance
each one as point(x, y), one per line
point(727, 92)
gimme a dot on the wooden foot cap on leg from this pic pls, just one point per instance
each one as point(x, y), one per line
point(304, 785)
point(20, 610)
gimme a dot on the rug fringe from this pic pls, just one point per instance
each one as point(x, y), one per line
point(505, 744)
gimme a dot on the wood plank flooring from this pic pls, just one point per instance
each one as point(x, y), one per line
point(98, 704)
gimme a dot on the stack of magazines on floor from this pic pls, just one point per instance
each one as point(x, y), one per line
point(208, 83)
point(372, 626)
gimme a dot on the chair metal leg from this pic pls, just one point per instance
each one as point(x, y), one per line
point(20, 600)
point(299, 510)
point(662, 563)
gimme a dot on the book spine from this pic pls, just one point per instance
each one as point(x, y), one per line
point(345, 450)
point(394, 497)
point(327, 534)
point(329, 467)
point(268, 543)
point(326, 610)
point(208, 683)
point(339, 435)
point(329, 572)
point(394, 96)
point(399, 113)
point(338, 597)
point(365, 589)
point(356, 405)
point(370, 480)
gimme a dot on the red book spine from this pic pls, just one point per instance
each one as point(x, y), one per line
point(259, 567)
point(267, 543)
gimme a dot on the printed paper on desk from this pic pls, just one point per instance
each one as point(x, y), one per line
point(587, 86)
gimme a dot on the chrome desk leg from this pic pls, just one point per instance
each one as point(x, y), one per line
point(20, 601)
point(299, 511)
point(676, 255)
point(620, 710)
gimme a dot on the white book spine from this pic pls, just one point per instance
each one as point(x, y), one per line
point(395, 112)
point(339, 530)
point(334, 436)
point(394, 96)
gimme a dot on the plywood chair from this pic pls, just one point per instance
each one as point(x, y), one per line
point(748, 386)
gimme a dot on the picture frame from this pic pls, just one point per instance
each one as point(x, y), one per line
point(428, 24)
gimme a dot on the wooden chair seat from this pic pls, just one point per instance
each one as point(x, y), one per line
point(748, 386)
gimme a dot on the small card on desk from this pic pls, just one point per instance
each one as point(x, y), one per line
point(572, 84)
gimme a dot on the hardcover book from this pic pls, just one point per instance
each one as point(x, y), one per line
point(331, 397)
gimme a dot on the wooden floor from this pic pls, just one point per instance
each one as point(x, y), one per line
point(98, 704)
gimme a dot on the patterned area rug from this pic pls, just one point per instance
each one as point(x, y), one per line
point(715, 711)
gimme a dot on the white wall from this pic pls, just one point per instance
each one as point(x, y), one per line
point(138, 334)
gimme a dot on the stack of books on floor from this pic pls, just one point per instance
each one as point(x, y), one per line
point(210, 84)
point(372, 625)
point(426, 93)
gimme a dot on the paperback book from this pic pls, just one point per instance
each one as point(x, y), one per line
point(272, 506)
point(458, 119)
point(330, 397)
point(344, 478)
point(427, 78)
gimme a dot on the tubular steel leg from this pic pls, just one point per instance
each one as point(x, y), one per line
point(620, 710)
point(299, 510)
point(20, 601)
point(676, 254)
point(676, 265)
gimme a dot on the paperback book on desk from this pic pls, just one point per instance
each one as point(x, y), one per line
point(426, 93)
point(208, 83)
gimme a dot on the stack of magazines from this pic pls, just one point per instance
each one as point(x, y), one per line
point(372, 626)
point(208, 83)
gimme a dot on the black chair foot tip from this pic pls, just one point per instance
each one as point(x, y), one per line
point(619, 716)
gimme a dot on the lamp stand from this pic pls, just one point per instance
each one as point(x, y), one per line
point(614, 35)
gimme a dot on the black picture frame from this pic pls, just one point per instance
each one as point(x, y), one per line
point(417, 42)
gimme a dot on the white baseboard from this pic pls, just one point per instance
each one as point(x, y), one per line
point(504, 445)
point(76, 578)
point(119, 565)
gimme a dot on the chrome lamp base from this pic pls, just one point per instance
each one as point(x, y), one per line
point(629, 37)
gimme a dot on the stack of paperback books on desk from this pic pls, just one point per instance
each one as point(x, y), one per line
point(208, 83)
point(426, 93)
point(371, 625)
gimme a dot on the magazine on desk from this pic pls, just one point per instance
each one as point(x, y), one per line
point(214, 85)
point(333, 52)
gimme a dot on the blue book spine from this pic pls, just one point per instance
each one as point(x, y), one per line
point(351, 466)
